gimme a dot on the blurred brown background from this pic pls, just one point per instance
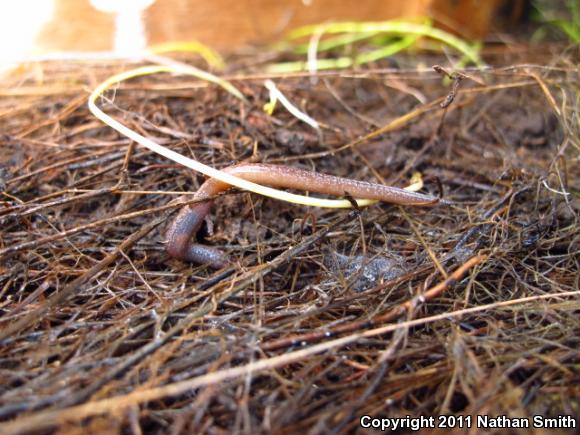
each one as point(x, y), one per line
point(90, 25)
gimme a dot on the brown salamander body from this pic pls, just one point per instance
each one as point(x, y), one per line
point(189, 220)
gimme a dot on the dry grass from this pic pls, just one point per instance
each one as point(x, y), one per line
point(324, 315)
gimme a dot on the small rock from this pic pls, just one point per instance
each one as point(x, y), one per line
point(363, 272)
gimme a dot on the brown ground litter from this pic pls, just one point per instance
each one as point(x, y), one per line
point(324, 315)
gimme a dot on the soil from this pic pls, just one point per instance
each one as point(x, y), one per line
point(469, 309)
